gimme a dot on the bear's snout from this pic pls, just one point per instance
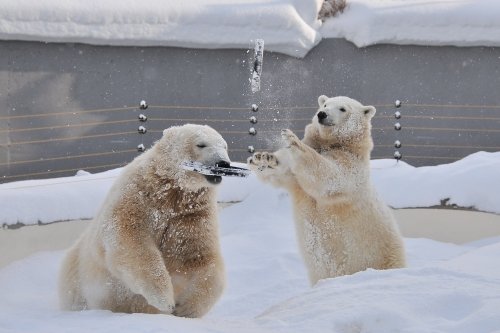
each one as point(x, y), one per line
point(322, 116)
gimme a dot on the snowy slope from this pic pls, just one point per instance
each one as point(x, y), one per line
point(471, 182)
point(287, 26)
point(447, 288)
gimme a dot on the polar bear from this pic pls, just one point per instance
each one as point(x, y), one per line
point(153, 247)
point(342, 225)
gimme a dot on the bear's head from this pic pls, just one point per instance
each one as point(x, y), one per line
point(342, 120)
point(191, 143)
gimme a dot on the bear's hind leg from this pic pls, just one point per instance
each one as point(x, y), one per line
point(70, 295)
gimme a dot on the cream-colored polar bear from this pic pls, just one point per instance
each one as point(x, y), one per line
point(154, 245)
point(342, 225)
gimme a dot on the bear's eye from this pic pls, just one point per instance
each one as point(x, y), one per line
point(342, 109)
point(201, 145)
point(324, 106)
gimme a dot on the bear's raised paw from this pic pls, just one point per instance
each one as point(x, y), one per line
point(290, 139)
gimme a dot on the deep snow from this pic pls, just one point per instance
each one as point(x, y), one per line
point(287, 26)
point(447, 288)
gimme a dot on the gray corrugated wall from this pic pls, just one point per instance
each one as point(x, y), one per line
point(65, 107)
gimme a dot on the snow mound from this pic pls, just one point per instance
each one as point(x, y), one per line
point(409, 300)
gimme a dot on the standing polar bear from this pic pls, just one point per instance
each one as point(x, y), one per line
point(342, 226)
point(154, 245)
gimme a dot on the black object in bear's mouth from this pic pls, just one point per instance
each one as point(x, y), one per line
point(213, 179)
point(206, 170)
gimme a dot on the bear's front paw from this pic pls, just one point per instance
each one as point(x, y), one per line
point(290, 139)
point(164, 303)
point(187, 310)
point(261, 161)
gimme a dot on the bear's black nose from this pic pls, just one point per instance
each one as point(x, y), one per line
point(222, 164)
point(322, 115)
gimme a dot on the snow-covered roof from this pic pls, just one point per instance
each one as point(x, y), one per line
point(287, 26)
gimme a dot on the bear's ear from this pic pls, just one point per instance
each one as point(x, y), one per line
point(369, 110)
point(321, 100)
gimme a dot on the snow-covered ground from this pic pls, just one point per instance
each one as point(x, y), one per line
point(471, 182)
point(287, 26)
point(446, 288)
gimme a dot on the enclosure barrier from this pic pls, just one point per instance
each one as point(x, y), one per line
point(428, 134)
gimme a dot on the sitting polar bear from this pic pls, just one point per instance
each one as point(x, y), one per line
point(342, 226)
point(154, 245)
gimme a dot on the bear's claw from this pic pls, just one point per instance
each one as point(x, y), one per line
point(263, 160)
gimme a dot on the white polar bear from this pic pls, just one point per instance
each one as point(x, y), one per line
point(342, 225)
point(154, 245)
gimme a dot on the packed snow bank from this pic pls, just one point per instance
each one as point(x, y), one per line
point(471, 182)
point(287, 26)
point(447, 288)
point(421, 22)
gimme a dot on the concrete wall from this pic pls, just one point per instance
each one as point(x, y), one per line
point(65, 107)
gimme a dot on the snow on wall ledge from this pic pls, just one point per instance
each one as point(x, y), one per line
point(471, 182)
point(287, 26)
point(418, 22)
